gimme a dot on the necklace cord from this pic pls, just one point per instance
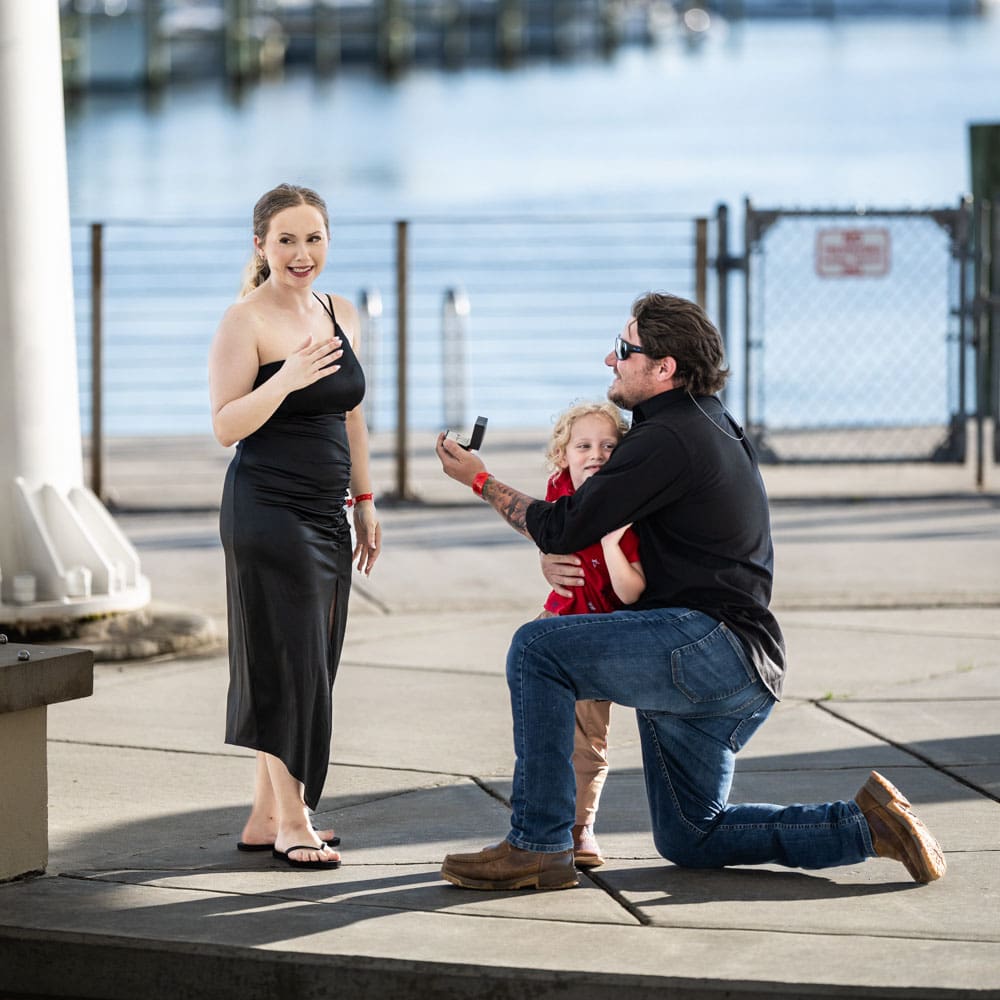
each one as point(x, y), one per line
point(720, 429)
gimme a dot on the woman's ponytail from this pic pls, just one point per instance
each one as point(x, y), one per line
point(255, 273)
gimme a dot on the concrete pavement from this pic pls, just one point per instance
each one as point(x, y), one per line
point(891, 608)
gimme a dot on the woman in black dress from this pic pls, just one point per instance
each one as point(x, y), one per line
point(286, 388)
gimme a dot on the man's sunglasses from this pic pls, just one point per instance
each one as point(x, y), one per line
point(623, 349)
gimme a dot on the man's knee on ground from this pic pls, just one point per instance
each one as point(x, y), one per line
point(683, 847)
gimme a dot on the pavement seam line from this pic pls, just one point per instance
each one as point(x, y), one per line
point(357, 901)
point(902, 747)
point(881, 630)
point(367, 595)
point(453, 671)
point(595, 880)
point(619, 898)
point(886, 603)
point(489, 791)
point(912, 701)
point(241, 756)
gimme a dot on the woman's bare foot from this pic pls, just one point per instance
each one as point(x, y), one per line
point(279, 814)
point(263, 835)
point(291, 843)
point(302, 855)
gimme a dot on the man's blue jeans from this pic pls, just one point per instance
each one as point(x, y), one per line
point(698, 700)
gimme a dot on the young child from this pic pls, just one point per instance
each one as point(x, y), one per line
point(582, 441)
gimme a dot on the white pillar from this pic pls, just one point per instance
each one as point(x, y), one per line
point(52, 529)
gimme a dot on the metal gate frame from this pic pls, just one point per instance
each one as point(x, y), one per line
point(985, 309)
point(957, 223)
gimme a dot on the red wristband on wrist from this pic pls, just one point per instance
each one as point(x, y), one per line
point(351, 501)
point(479, 482)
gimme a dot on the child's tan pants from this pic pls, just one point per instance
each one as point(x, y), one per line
point(590, 757)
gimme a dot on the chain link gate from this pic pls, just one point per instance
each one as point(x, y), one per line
point(856, 341)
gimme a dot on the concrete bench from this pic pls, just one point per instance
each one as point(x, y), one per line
point(27, 687)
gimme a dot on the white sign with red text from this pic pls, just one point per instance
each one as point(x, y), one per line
point(852, 253)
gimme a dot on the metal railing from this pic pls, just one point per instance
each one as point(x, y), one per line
point(539, 298)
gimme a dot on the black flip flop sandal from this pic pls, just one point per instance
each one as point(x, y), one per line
point(243, 846)
point(283, 856)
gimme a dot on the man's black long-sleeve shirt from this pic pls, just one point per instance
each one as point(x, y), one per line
point(696, 499)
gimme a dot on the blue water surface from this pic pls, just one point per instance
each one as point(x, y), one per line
point(808, 112)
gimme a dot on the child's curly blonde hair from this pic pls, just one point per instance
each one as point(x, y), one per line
point(555, 457)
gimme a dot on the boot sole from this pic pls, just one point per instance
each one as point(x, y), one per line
point(588, 860)
point(499, 885)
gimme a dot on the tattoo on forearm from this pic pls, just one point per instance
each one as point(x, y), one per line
point(510, 504)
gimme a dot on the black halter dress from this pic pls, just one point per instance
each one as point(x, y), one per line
point(288, 571)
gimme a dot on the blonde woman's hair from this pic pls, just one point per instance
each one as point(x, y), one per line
point(268, 206)
point(563, 428)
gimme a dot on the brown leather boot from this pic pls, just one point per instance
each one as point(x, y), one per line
point(504, 866)
point(896, 832)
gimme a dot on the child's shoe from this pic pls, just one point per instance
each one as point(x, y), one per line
point(586, 850)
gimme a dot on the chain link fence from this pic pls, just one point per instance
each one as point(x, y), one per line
point(857, 347)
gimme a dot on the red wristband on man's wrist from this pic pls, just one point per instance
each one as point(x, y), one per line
point(479, 482)
point(351, 501)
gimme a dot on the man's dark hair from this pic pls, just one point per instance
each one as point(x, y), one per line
point(669, 326)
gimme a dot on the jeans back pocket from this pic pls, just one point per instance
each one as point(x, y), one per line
point(712, 670)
